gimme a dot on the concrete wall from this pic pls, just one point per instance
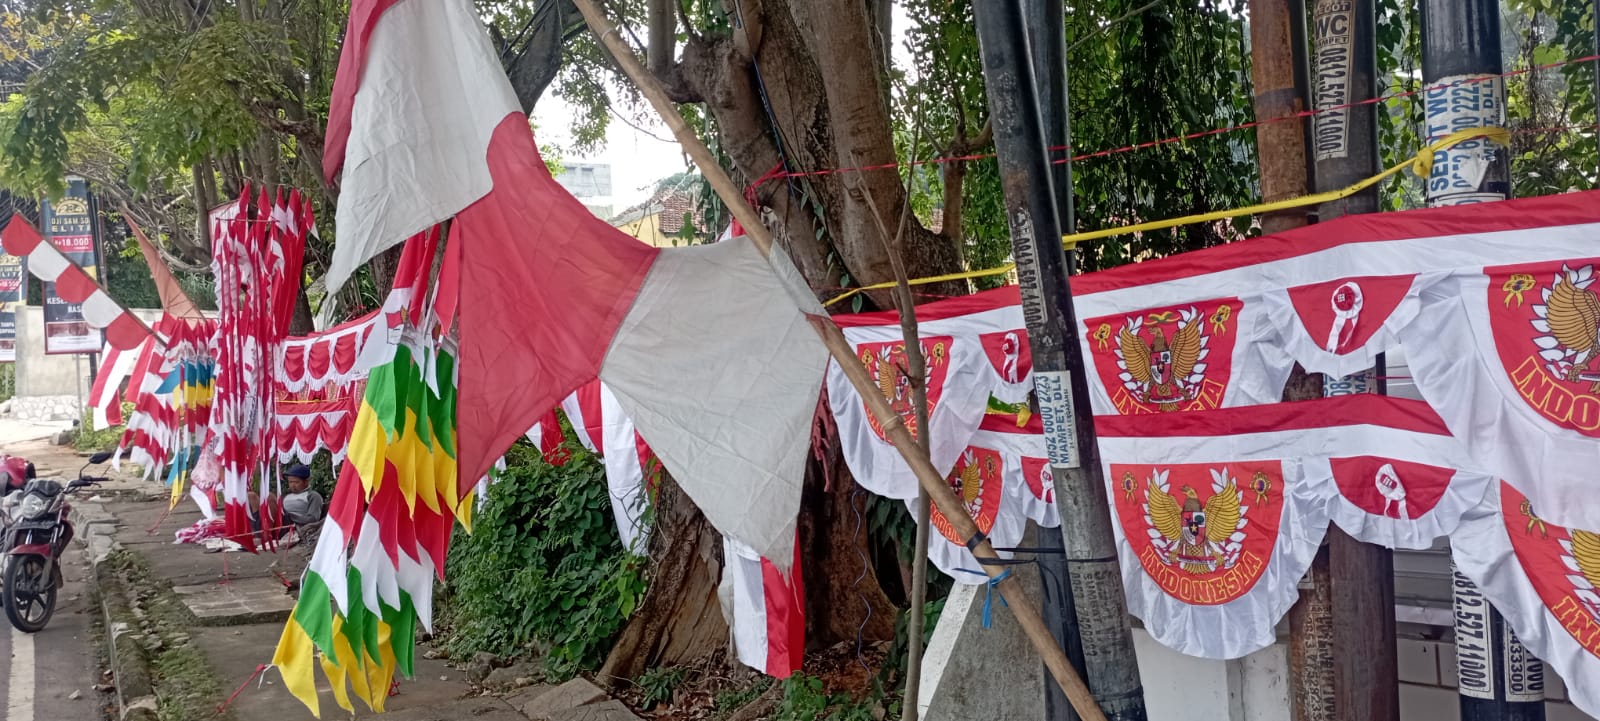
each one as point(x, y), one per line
point(50, 387)
point(45, 375)
point(1255, 688)
point(960, 681)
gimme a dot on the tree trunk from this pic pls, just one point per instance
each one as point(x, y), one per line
point(843, 596)
point(679, 619)
point(799, 87)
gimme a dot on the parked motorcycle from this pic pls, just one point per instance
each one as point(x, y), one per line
point(37, 531)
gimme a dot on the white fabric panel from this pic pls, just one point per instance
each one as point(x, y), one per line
point(46, 263)
point(711, 323)
point(120, 367)
point(1483, 552)
point(748, 625)
point(100, 310)
point(1459, 372)
point(432, 91)
point(958, 410)
point(1245, 624)
point(204, 500)
point(624, 474)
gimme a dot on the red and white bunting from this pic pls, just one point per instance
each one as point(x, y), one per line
point(600, 424)
point(123, 329)
point(1544, 579)
point(311, 362)
point(1003, 481)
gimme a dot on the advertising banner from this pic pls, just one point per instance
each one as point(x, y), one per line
point(70, 226)
point(13, 294)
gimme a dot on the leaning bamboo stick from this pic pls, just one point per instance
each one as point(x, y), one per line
point(913, 454)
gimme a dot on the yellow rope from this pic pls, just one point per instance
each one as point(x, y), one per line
point(1421, 164)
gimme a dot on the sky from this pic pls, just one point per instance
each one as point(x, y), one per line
point(636, 158)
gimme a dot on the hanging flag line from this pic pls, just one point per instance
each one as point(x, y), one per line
point(1182, 138)
point(1421, 164)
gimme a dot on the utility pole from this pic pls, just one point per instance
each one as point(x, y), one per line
point(1497, 679)
point(1357, 633)
point(1060, 374)
point(1047, 41)
point(1281, 82)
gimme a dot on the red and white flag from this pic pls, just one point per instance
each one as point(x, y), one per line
point(707, 348)
point(116, 365)
point(603, 428)
point(765, 610)
point(123, 329)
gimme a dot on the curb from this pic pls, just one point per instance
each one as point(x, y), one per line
point(130, 667)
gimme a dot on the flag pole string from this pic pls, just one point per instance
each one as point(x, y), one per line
point(1421, 164)
point(1303, 114)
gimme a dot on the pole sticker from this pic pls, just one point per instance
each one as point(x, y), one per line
point(1054, 389)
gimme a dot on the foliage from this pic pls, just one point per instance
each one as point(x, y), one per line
point(1399, 72)
point(8, 381)
point(734, 699)
point(90, 438)
point(543, 566)
point(895, 663)
point(659, 683)
point(805, 700)
point(1552, 111)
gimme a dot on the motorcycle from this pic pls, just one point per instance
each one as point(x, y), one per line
point(37, 531)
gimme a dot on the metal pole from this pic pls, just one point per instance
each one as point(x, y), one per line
point(1047, 41)
point(1059, 370)
point(1497, 679)
point(1359, 592)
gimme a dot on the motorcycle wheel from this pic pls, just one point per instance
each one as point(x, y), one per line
point(26, 608)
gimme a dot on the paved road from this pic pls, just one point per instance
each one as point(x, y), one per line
point(40, 672)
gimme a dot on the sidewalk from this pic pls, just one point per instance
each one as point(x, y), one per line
point(203, 622)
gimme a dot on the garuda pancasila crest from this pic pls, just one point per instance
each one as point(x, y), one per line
point(1160, 371)
point(1569, 323)
point(1196, 538)
point(886, 363)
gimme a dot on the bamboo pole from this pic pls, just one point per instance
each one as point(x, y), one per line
point(893, 426)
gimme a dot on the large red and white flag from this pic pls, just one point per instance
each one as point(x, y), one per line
point(765, 610)
point(116, 365)
point(707, 348)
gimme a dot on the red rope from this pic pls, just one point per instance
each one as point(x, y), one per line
point(1189, 136)
point(223, 707)
point(163, 519)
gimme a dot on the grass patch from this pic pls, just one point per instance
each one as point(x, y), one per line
point(186, 686)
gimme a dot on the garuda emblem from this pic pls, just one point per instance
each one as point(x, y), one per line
point(1569, 323)
point(1159, 371)
point(1581, 555)
point(978, 483)
point(1196, 538)
point(886, 363)
point(1562, 565)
